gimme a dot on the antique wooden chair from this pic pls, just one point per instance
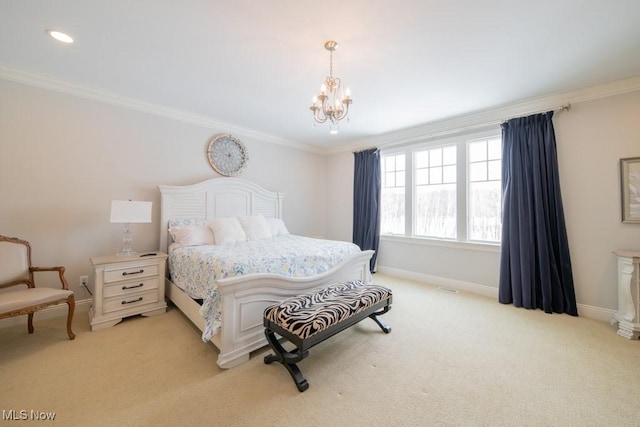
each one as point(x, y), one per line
point(16, 270)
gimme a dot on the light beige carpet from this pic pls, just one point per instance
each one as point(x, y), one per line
point(451, 359)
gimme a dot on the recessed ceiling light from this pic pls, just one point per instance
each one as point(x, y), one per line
point(60, 36)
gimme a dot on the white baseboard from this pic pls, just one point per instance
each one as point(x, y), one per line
point(597, 313)
point(60, 310)
point(460, 285)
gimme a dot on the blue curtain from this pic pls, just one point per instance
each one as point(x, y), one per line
point(535, 265)
point(366, 201)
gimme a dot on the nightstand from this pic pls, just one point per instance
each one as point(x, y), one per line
point(126, 286)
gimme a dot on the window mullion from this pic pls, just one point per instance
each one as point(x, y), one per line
point(462, 190)
point(409, 215)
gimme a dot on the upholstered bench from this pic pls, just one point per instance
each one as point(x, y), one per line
point(309, 319)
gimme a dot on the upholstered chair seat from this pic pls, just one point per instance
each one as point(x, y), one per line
point(18, 300)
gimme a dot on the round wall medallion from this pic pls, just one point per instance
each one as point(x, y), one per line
point(227, 155)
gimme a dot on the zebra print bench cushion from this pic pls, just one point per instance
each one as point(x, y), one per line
point(308, 314)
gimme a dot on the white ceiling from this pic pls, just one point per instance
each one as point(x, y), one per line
point(255, 64)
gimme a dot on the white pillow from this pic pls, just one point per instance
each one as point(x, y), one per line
point(192, 235)
point(276, 226)
point(227, 230)
point(255, 227)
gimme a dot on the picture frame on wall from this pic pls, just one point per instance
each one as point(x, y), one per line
point(630, 187)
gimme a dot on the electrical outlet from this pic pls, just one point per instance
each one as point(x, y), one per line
point(84, 281)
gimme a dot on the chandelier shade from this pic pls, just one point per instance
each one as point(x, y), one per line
point(332, 102)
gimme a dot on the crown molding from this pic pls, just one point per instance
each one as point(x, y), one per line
point(451, 126)
point(494, 116)
point(82, 91)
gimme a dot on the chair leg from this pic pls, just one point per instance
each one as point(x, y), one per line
point(72, 306)
point(30, 323)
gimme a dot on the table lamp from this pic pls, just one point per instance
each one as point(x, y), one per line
point(128, 212)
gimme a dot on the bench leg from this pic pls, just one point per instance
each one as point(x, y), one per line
point(385, 328)
point(287, 359)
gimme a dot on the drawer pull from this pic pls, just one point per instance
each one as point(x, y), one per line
point(124, 288)
point(131, 302)
point(126, 273)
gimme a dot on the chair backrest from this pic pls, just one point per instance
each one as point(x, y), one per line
point(15, 260)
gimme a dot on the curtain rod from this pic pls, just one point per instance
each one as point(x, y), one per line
point(563, 107)
point(360, 150)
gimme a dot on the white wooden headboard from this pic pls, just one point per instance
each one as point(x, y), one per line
point(215, 198)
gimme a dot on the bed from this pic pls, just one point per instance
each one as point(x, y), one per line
point(230, 313)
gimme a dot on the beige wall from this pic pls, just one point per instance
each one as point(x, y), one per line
point(591, 138)
point(63, 159)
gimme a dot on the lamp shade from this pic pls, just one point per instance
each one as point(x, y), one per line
point(127, 211)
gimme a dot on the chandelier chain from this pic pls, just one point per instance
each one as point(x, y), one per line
point(331, 64)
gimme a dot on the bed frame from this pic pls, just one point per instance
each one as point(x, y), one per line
point(245, 297)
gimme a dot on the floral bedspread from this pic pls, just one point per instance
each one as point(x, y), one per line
point(196, 268)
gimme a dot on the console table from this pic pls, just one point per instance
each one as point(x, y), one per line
point(628, 314)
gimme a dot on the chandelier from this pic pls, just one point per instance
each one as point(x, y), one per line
point(332, 103)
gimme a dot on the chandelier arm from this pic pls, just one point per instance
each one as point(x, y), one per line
point(319, 119)
point(319, 114)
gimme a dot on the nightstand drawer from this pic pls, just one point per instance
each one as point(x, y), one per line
point(125, 288)
point(130, 273)
point(129, 301)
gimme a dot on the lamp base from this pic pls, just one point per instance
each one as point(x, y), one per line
point(127, 241)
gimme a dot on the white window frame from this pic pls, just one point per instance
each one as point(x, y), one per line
point(414, 184)
point(468, 182)
point(462, 191)
point(384, 172)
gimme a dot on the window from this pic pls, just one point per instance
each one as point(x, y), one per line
point(444, 189)
point(435, 192)
point(393, 195)
point(485, 190)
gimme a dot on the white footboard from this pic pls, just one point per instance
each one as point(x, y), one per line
point(244, 299)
